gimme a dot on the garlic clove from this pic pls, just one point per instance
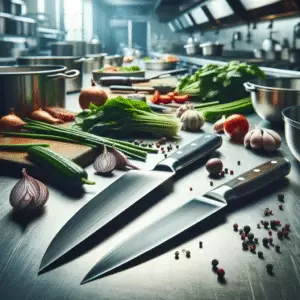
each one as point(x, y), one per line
point(247, 138)
point(256, 141)
point(275, 136)
point(269, 143)
point(219, 125)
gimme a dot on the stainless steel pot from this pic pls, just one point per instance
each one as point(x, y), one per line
point(97, 62)
point(115, 60)
point(22, 87)
point(192, 49)
point(270, 96)
point(212, 49)
point(70, 62)
point(78, 48)
point(291, 117)
point(61, 49)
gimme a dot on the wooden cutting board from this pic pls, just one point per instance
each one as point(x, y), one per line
point(80, 154)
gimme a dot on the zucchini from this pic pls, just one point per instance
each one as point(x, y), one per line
point(64, 168)
point(20, 147)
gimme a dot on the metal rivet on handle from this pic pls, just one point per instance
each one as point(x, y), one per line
point(256, 170)
point(241, 178)
point(274, 162)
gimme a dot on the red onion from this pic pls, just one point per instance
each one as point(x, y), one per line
point(105, 162)
point(122, 160)
point(28, 193)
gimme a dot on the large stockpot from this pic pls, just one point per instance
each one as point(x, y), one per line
point(61, 49)
point(211, 49)
point(70, 62)
point(270, 96)
point(25, 87)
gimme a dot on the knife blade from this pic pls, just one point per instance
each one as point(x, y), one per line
point(189, 215)
point(132, 187)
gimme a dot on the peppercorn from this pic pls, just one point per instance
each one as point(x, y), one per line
point(277, 248)
point(271, 212)
point(214, 262)
point(157, 145)
point(247, 229)
point(177, 146)
point(265, 241)
point(241, 231)
point(260, 254)
point(222, 173)
point(262, 222)
point(188, 254)
point(279, 234)
point(280, 197)
point(270, 232)
point(166, 155)
point(231, 172)
point(273, 224)
point(250, 236)
point(271, 241)
point(220, 273)
point(280, 206)
point(252, 247)
point(277, 222)
point(144, 144)
point(258, 225)
point(235, 226)
point(287, 226)
point(200, 244)
point(176, 257)
point(269, 268)
point(285, 233)
point(266, 223)
point(256, 240)
point(211, 183)
point(266, 212)
point(245, 245)
point(239, 163)
point(226, 171)
point(191, 188)
point(177, 253)
point(243, 236)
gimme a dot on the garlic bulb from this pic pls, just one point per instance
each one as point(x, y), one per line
point(191, 120)
point(183, 108)
point(219, 125)
point(262, 138)
point(105, 163)
point(28, 193)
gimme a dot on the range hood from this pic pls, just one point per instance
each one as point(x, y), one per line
point(224, 12)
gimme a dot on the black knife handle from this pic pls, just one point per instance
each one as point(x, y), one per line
point(191, 152)
point(120, 80)
point(253, 180)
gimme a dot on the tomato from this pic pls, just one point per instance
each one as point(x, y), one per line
point(171, 95)
point(236, 126)
point(165, 99)
point(181, 99)
point(155, 98)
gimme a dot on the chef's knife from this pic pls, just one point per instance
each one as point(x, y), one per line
point(121, 195)
point(189, 215)
point(121, 80)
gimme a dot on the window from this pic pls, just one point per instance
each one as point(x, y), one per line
point(219, 8)
point(41, 6)
point(252, 4)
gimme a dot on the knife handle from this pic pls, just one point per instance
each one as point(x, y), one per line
point(191, 152)
point(253, 180)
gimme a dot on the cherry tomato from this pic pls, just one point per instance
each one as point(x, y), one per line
point(165, 99)
point(181, 99)
point(236, 126)
point(171, 95)
point(156, 97)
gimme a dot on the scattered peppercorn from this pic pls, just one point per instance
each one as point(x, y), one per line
point(287, 226)
point(191, 188)
point(260, 254)
point(252, 247)
point(200, 244)
point(177, 253)
point(211, 183)
point(279, 234)
point(262, 222)
point(245, 245)
point(256, 240)
point(157, 145)
point(250, 236)
point(280, 197)
point(188, 254)
point(214, 262)
point(285, 233)
point(144, 144)
point(223, 173)
point(247, 229)
point(235, 226)
point(258, 226)
point(270, 232)
point(241, 231)
point(176, 257)
point(166, 155)
point(273, 224)
point(277, 222)
point(239, 163)
point(265, 241)
point(269, 268)
point(277, 248)
point(231, 172)
point(280, 206)
point(220, 273)
point(266, 212)
point(243, 236)
point(177, 146)
point(266, 223)
point(226, 171)
point(271, 241)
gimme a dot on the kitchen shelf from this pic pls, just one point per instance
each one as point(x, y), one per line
point(15, 38)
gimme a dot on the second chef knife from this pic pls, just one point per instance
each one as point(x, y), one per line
point(189, 215)
point(121, 195)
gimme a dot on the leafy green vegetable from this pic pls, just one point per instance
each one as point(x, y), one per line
point(123, 69)
point(146, 58)
point(219, 83)
point(124, 117)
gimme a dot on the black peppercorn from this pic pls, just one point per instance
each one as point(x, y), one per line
point(279, 234)
point(269, 268)
point(245, 245)
point(177, 146)
point(250, 236)
point(166, 155)
point(265, 241)
point(177, 253)
point(256, 240)
point(211, 183)
point(200, 244)
point(262, 222)
point(260, 254)
point(188, 254)
point(277, 248)
point(266, 223)
point(226, 170)
point(241, 231)
point(258, 226)
point(239, 163)
point(214, 262)
point(280, 197)
point(247, 229)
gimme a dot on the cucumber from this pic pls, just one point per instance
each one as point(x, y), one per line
point(20, 147)
point(62, 167)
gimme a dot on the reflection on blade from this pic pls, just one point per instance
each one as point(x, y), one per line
point(154, 235)
point(102, 209)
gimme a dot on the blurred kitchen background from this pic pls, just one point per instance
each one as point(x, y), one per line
point(267, 30)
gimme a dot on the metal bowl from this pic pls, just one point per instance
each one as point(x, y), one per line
point(270, 96)
point(159, 65)
point(291, 116)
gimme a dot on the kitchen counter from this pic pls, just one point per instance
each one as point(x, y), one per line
point(23, 242)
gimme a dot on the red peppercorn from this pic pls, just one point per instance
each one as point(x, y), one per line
point(285, 233)
point(243, 236)
point(252, 247)
point(280, 206)
point(235, 226)
point(279, 234)
point(220, 272)
point(223, 173)
point(270, 232)
point(231, 172)
point(191, 188)
point(287, 226)
point(277, 222)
